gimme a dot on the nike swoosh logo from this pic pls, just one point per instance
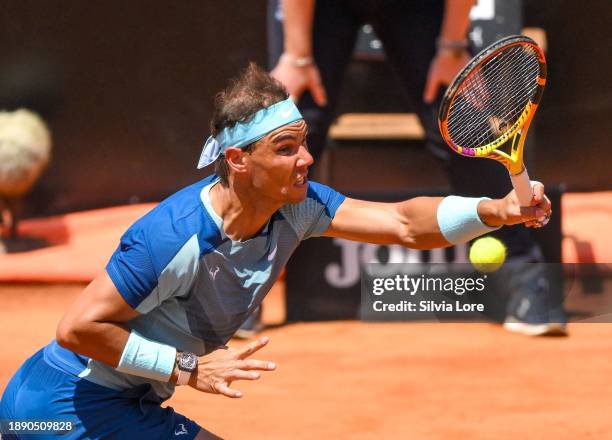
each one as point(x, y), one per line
point(272, 254)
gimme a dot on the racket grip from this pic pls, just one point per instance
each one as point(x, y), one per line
point(522, 187)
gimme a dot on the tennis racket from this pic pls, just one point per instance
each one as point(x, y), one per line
point(487, 109)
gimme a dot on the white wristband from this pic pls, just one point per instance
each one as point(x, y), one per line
point(459, 221)
point(146, 358)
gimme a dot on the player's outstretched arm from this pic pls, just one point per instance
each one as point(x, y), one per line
point(432, 222)
point(411, 223)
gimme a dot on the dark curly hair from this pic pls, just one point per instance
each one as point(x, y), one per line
point(251, 91)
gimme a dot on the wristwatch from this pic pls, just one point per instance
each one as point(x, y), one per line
point(187, 364)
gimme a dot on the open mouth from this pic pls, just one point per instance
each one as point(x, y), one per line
point(301, 180)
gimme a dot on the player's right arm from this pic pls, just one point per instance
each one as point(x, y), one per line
point(94, 327)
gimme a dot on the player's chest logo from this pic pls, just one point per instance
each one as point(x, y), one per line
point(213, 272)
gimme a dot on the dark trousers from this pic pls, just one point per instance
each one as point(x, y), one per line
point(408, 30)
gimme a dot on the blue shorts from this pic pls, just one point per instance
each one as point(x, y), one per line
point(41, 392)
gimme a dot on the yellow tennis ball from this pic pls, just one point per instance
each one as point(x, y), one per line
point(487, 254)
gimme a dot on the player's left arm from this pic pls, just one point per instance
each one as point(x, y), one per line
point(414, 223)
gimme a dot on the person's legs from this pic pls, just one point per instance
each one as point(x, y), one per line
point(408, 32)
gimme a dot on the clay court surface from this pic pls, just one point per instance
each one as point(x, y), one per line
point(354, 380)
point(360, 381)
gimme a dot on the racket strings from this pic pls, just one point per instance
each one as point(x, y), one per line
point(474, 87)
point(493, 97)
point(474, 92)
point(515, 94)
point(492, 119)
point(496, 122)
point(511, 113)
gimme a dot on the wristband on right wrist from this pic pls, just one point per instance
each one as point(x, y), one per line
point(146, 358)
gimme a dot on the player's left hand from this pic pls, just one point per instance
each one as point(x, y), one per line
point(543, 207)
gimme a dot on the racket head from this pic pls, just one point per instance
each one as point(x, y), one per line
point(493, 98)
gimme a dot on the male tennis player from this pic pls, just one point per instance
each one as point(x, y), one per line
point(188, 273)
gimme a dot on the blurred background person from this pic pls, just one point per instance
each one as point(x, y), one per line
point(25, 150)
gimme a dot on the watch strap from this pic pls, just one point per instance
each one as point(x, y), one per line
point(183, 377)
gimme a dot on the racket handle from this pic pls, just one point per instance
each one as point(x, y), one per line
point(522, 187)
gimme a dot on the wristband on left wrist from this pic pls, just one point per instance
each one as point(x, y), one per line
point(459, 220)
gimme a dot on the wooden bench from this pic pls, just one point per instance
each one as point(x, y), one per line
point(360, 128)
point(381, 126)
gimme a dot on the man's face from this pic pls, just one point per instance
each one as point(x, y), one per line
point(278, 165)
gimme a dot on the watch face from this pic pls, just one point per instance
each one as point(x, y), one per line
point(187, 361)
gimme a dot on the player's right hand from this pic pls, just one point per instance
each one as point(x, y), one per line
point(217, 370)
point(298, 79)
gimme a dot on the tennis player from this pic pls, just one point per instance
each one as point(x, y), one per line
point(188, 273)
